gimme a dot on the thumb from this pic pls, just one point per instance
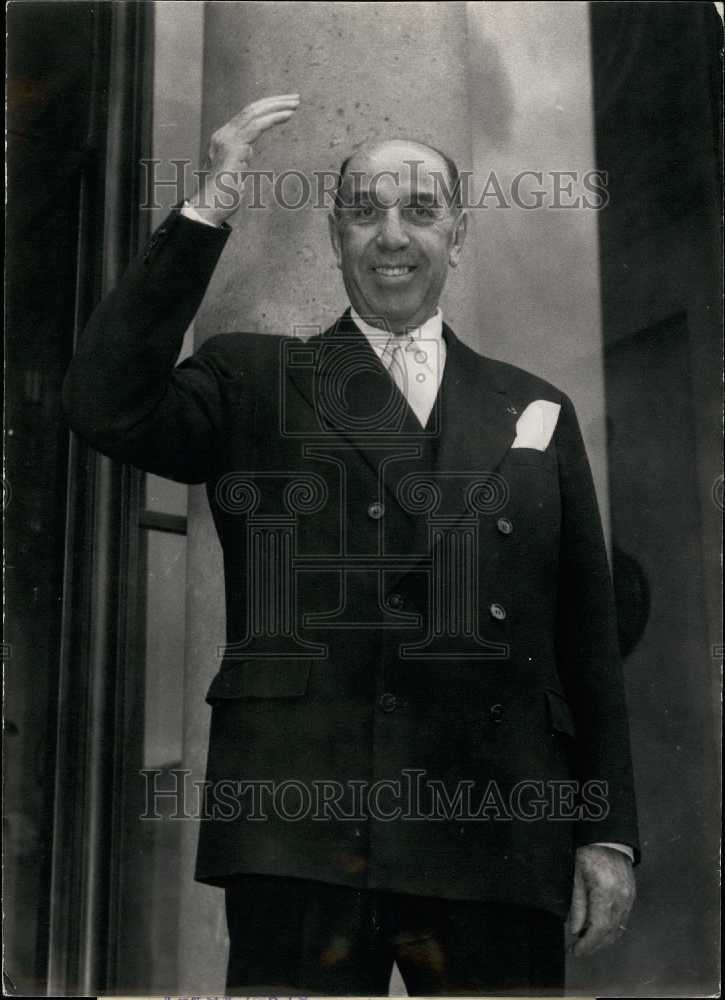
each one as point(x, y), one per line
point(578, 909)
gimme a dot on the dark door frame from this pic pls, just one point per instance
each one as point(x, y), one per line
point(98, 673)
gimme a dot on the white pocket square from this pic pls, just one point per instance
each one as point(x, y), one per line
point(536, 425)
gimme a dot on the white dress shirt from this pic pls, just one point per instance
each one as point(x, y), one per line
point(417, 368)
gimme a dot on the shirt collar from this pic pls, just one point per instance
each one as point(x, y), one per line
point(432, 329)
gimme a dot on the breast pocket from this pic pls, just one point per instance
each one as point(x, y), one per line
point(252, 679)
point(533, 458)
point(534, 505)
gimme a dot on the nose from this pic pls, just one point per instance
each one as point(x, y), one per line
point(392, 234)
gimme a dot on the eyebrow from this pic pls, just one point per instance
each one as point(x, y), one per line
point(423, 198)
point(367, 197)
point(359, 197)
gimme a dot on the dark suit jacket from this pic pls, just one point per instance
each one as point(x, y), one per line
point(403, 605)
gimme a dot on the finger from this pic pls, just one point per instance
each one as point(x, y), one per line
point(265, 102)
point(602, 921)
point(595, 936)
point(621, 909)
point(607, 922)
point(598, 920)
point(619, 918)
point(250, 133)
point(264, 106)
point(241, 125)
point(614, 935)
point(618, 901)
point(578, 909)
point(263, 121)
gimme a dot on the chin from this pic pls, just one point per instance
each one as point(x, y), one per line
point(399, 312)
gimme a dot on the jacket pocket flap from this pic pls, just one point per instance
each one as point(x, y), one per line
point(560, 717)
point(532, 457)
point(260, 679)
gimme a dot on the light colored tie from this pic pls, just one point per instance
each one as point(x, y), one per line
point(393, 358)
point(418, 387)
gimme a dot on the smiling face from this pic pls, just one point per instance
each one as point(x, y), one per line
point(394, 236)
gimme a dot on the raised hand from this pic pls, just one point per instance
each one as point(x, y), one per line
point(230, 151)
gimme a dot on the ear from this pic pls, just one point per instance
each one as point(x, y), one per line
point(459, 238)
point(335, 238)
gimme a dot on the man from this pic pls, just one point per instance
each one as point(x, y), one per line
point(421, 633)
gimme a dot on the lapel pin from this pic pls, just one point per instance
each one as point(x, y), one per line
point(512, 410)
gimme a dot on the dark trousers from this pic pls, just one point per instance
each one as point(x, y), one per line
point(292, 936)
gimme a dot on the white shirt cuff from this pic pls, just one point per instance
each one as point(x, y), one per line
point(190, 213)
point(624, 848)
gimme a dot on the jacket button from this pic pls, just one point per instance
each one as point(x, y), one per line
point(395, 601)
point(504, 526)
point(388, 702)
point(498, 612)
point(496, 713)
point(376, 511)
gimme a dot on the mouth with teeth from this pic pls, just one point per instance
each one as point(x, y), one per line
point(394, 271)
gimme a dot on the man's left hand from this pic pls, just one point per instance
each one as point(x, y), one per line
point(603, 896)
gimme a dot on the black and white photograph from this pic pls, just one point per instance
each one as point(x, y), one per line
point(362, 499)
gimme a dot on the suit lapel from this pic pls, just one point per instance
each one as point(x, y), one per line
point(470, 429)
point(352, 395)
point(475, 417)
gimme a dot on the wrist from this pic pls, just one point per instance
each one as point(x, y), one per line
point(199, 209)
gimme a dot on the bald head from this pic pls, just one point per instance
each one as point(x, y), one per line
point(412, 155)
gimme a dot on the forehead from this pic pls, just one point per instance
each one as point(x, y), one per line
point(395, 164)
